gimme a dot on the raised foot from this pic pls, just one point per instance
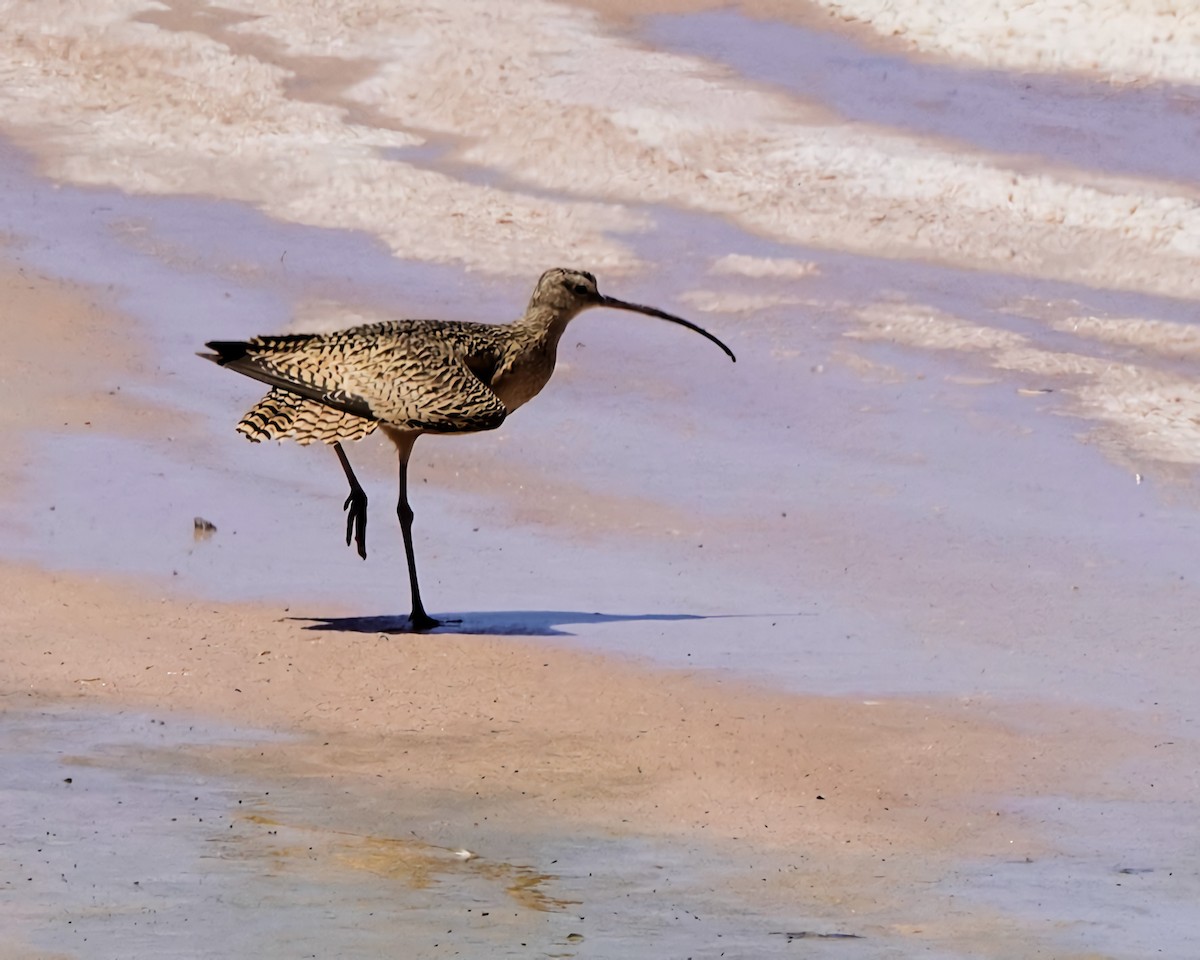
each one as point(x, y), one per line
point(356, 520)
point(420, 622)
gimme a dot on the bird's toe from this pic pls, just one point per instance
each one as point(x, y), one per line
point(356, 521)
point(420, 622)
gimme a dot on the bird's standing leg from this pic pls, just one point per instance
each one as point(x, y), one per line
point(355, 505)
point(419, 620)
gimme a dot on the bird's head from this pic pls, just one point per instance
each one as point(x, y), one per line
point(563, 293)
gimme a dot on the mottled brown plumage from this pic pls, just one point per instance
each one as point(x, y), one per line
point(281, 415)
point(410, 377)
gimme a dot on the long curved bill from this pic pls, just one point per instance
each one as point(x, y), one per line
point(653, 312)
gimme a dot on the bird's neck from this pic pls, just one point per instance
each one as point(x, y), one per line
point(541, 327)
point(529, 356)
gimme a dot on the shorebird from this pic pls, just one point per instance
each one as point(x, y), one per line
point(409, 377)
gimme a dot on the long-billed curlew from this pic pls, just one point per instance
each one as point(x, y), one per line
point(411, 377)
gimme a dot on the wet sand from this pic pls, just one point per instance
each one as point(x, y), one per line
point(884, 631)
point(437, 743)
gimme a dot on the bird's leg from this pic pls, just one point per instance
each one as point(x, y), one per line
point(419, 620)
point(355, 506)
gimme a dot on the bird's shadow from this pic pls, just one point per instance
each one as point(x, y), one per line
point(524, 623)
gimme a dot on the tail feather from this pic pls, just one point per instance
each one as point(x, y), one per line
point(273, 361)
point(225, 351)
point(228, 352)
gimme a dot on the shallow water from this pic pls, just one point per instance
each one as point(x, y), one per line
point(122, 838)
point(129, 833)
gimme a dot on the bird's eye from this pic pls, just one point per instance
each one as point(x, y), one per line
point(579, 289)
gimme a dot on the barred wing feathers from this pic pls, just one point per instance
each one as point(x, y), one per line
point(400, 373)
point(282, 415)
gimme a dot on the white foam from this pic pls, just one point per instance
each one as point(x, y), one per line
point(1142, 412)
point(541, 95)
point(1120, 40)
point(775, 268)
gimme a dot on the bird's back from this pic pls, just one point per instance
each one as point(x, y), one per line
point(421, 375)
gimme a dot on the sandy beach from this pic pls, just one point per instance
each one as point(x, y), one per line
point(880, 640)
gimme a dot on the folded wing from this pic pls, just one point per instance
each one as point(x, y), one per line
point(368, 375)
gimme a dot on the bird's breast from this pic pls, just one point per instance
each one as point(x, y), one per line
point(519, 382)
